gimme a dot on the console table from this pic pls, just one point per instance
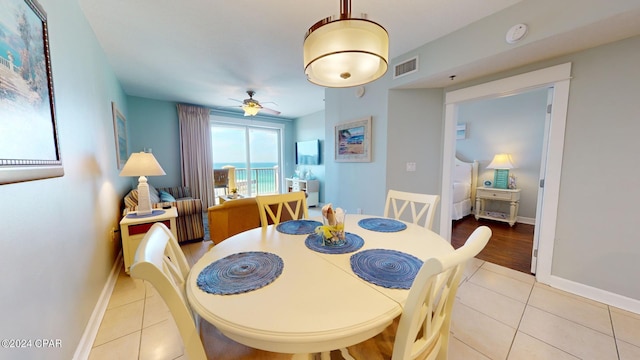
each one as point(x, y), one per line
point(311, 187)
point(512, 196)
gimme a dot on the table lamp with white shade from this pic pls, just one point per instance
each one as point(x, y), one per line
point(142, 164)
point(501, 163)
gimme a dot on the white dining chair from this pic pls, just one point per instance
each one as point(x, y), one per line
point(424, 326)
point(422, 206)
point(160, 261)
point(281, 207)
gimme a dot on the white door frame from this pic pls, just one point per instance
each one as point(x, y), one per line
point(557, 77)
point(541, 179)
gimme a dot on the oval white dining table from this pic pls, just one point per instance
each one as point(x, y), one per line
point(318, 303)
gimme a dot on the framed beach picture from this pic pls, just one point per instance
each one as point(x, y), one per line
point(29, 147)
point(120, 132)
point(461, 131)
point(353, 141)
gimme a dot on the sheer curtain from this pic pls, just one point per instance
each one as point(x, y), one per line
point(196, 155)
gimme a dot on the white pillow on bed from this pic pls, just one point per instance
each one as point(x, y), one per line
point(462, 173)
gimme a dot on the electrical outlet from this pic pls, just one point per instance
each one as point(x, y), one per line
point(114, 234)
point(411, 166)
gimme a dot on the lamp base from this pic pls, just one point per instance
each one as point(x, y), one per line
point(144, 200)
point(501, 179)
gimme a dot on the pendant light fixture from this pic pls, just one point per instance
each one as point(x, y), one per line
point(345, 52)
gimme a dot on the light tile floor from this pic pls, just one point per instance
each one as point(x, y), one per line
point(499, 314)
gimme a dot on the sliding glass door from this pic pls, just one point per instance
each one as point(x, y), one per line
point(252, 153)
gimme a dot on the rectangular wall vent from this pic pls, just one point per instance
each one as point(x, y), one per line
point(405, 68)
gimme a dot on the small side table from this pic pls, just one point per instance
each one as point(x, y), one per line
point(222, 199)
point(133, 229)
point(512, 196)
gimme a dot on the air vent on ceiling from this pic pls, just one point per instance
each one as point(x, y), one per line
point(405, 68)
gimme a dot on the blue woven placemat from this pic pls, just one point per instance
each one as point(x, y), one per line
point(353, 243)
point(298, 227)
point(153, 213)
point(388, 268)
point(382, 224)
point(240, 273)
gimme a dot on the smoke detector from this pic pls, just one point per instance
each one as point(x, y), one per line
point(516, 33)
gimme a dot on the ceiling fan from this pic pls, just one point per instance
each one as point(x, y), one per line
point(252, 106)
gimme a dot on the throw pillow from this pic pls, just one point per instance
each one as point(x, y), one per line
point(166, 197)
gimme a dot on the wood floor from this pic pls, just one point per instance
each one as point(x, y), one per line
point(508, 246)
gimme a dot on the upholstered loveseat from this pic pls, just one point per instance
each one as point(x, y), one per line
point(189, 222)
point(232, 217)
point(235, 216)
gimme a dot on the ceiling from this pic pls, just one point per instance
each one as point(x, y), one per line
point(208, 52)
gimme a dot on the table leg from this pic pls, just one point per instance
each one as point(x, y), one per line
point(512, 213)
point(346, 355)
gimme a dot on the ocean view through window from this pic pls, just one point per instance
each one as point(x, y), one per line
point(251, 153)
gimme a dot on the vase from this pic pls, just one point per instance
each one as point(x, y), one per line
point(337, 235)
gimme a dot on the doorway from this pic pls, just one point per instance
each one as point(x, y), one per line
point(557, 77)
point(514, 125)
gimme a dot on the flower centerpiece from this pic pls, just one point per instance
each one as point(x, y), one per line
point(234, 193)
point(332, 230)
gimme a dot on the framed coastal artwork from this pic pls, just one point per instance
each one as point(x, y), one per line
point(461, 131)
point(120, 132)
point(353, 141)
point(29, 146)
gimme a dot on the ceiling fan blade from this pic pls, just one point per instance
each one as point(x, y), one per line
point(240, 101)
point(270, 111)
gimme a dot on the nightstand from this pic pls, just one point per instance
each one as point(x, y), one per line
point(512, 196)
point(133, 228)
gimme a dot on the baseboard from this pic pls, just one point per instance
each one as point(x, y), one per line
point(526, 220)
point(91, 330)
point(589, 292)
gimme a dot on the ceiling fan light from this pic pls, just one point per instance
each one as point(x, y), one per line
point(250, 110)
point(345, 52)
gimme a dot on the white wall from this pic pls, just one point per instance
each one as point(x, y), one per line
point(514, 125)
point(596, 237)
point(551, 23)
point(415, 135)
point(596, 247)
point(55, 243)
point(358, 185)
point(311, 127)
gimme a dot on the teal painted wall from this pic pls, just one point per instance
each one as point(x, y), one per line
point(55, 238)
point(154, 125)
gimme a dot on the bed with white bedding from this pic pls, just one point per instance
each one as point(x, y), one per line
point(465, 177)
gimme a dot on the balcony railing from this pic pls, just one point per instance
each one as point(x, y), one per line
point(263, 180)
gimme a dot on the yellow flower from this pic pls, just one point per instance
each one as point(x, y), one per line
point(324, 231)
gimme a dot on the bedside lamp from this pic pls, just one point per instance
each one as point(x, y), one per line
point(501, 163)
point(142, 164)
